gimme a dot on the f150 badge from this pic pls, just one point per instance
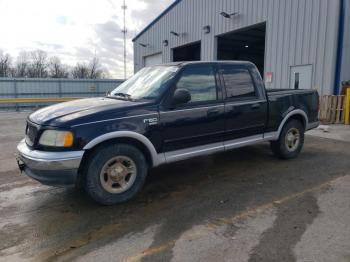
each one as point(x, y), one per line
point(151, 121)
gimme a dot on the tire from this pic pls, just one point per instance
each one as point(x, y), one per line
point(284, 147)
point(115, 173)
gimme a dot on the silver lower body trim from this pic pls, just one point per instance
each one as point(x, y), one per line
point(246, 141)
point(49, 161)
point(187, 153)
point(270, 136)
point(312, 125)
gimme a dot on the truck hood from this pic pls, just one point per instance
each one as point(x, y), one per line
point(68, 111)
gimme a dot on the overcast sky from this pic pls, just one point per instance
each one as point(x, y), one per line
point(75, 29)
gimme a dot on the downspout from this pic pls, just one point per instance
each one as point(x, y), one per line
point(339, 48)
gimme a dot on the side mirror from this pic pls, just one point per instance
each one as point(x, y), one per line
point(181, 96)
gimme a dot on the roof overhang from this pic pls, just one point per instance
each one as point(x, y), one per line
point(156, 19)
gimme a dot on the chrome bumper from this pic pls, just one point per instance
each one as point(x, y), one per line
point(53, 168)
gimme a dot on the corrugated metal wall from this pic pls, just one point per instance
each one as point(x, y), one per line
point(40, 88)
point(298, 32)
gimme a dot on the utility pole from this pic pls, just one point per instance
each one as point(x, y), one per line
point(124, 31)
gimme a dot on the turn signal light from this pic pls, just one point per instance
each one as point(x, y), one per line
point(68, 140)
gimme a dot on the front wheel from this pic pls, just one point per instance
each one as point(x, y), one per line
point(291, 140)
point(115, 173)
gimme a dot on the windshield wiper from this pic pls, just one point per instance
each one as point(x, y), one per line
point(123, 95)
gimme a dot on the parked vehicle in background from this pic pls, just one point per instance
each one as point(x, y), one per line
point(161, 115)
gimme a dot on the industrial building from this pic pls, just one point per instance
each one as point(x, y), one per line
point(294, 43)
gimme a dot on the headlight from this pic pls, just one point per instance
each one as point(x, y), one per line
point(56, 138)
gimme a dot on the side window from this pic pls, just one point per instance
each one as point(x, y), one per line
point(238, 83)
point(200, 82)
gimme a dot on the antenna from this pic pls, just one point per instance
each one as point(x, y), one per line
point(124, 31)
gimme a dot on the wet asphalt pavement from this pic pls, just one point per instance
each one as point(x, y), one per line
point(244, 205)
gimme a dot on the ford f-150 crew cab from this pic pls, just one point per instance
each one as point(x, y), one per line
point(162, 114)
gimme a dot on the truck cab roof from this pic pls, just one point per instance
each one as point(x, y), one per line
point(184, 63)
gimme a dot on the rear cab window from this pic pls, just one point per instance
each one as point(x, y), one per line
point(238, 83)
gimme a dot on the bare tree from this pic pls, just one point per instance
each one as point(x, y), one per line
point(56, 69)
point(38, 64)
point(22, 65)
point(5, 65)
point(92, 70)
point(81, 70)
point(95, 68)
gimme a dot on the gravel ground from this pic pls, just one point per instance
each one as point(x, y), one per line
point(244, 205)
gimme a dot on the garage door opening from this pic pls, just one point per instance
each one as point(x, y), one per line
point(247, 44)
point(191, 52)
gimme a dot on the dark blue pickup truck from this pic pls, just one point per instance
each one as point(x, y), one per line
point(162, 114)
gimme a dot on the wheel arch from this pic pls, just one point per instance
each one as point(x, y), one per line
point(128, 137)
point(297, 114)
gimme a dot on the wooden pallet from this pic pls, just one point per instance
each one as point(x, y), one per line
point(332, 109)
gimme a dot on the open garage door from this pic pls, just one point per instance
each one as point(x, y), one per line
point(247, 44)
point(151, 60)
point(191, 52)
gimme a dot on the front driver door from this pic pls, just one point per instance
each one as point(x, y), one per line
point(201, 121)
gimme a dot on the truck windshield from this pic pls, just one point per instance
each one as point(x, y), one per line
point(148, 83)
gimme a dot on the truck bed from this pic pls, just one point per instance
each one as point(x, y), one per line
point(282, 101)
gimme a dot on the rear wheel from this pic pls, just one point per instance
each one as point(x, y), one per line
point(291, 140)
point(115, 173)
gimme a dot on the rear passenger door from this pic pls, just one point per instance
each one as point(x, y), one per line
point(245, 105)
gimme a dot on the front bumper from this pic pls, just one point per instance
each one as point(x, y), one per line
point(50, 168)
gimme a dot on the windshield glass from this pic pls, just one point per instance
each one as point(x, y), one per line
point(148, 83)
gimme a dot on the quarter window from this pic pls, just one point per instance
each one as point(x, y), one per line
point(200, 82)
point(238, 83)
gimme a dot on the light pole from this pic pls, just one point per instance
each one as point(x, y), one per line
point(124, 31)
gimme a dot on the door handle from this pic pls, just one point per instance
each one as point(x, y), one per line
point(213, 112)
point(255, 106)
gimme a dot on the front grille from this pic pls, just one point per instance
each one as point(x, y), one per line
point(31, 134)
